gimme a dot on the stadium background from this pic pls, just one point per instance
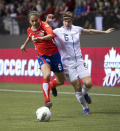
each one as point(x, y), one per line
point(13, 16)
point(18, 102)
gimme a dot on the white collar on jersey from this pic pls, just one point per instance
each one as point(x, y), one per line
point(72, 30)
point(35, 29)
point(68, 28)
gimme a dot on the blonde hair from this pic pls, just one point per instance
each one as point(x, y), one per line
point(67, 15)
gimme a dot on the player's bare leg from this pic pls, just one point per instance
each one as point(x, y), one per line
point(87, 84)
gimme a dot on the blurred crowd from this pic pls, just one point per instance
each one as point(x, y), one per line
point(86, 13)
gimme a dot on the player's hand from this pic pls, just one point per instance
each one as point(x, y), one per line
point(110, 30)
point(37, 39)
point(22, 48)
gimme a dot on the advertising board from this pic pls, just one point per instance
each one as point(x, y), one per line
point(103, 64)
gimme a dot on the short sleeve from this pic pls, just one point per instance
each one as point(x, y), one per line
point(28, 32)
point(80, 29)
point(56, 31)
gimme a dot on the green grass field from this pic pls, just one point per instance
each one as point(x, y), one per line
point(18, 104)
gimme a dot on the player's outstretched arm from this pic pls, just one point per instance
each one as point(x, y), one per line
point(93, 31)
point(110, 30)
point(23, 47)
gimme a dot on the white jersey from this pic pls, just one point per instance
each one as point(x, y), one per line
point(68, 41)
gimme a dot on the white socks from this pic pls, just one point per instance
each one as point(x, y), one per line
point(84, 89)
point(81, 99)
point(45, 89)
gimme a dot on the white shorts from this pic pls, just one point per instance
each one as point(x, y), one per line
point(74, 72)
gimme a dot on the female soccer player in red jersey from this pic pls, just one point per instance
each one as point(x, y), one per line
point(48, 57)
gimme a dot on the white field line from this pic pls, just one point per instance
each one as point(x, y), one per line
point(66, 93)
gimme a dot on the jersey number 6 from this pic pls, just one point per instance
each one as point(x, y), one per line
point(66, 37)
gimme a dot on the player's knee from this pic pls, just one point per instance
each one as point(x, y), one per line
point(61, 82)
point(60, 79)
point(78, 89)
point(88, 84)
point(77, 86)
point(46, 76)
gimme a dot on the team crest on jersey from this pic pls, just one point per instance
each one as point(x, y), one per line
point(46, 25)
point(41, 34)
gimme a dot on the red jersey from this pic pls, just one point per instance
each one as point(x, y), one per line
point(44, 47)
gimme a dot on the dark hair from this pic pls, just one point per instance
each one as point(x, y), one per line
point(35, 13)
point(67, 15)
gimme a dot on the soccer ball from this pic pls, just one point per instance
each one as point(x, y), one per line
point(43, 114)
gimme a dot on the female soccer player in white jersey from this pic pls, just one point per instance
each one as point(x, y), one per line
point(68, 41)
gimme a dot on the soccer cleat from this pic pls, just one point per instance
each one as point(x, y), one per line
point(86, 111)
point(87, 98)
point(48, 104)
point(54, 92)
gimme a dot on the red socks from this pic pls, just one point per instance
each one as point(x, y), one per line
point(46, 90)
point(46, 86)
point(53, 84)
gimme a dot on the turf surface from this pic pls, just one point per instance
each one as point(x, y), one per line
point(18, 107)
